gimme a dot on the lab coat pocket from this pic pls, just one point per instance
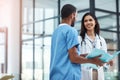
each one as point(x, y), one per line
point(100, 73)
point(86, 74)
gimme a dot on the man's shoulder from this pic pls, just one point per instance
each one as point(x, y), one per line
point(68, 28)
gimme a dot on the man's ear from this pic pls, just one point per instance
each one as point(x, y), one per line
point(70, 16)
point(73, 15)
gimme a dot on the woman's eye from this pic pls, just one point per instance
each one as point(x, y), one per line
point(90, 20)
point(85, 20)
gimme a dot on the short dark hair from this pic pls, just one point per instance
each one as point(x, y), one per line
point(67, 10)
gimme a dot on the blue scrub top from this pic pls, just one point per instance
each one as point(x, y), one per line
point(61, 68)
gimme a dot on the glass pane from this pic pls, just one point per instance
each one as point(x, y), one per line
point(80, 4)
point(42, 58)
point(119, 5)
point(38, 14)
point(27, 60)
point(46, 20)
point(106, 4)
point(39, 28)
point(47, 9)
point(27, 31)
point(27, 9)
point(111, 75)
point(119, 21)
point(50, 11)
point(38, 59)
point(27, 35)
point(111, 40)
point(47, 57)
point(77, 25)
point(49, 26)
point(107, 21)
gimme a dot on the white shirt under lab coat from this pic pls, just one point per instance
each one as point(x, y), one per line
point(86, 46)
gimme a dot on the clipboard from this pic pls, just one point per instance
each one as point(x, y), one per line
point(105, 57)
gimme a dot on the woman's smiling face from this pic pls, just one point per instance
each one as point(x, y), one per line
point(89, 23)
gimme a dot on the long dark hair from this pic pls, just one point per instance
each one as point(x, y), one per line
point(84, 30)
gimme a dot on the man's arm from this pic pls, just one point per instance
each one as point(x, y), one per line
point(75, 58)
point(84, 55)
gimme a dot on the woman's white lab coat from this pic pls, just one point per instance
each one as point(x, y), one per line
point(86, 46)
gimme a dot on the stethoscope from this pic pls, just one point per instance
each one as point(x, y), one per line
point(93, 43)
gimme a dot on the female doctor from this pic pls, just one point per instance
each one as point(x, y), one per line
point(89, 38)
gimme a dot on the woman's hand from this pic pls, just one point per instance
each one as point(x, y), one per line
point(110, 63)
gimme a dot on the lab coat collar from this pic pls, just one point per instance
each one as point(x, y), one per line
point(87, 37)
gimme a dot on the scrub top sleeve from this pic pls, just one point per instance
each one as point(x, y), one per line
point(72, 39)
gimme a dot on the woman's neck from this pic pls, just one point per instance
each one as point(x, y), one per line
point(91, 34)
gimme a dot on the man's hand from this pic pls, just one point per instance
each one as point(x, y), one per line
point(97, 61)
point(84, 55)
